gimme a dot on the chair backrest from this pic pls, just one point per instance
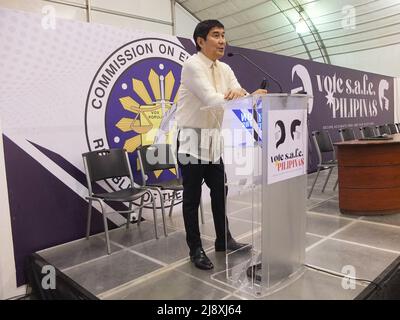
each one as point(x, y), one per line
point(398, 127)
point(347, 134)
point(392, 128)
point(383, 129)
point(367, 132)
point(106, 163)
point(156, 157)
point(323, 143)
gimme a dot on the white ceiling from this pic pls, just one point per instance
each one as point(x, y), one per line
point(269, 25)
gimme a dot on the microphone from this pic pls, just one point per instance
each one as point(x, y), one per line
point(231, 54)
point(264, 83)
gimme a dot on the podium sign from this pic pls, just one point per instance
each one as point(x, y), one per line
point(265, 156)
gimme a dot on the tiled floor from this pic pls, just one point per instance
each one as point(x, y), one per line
point(141, 267)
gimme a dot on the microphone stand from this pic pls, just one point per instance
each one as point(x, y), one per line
point(230, 54)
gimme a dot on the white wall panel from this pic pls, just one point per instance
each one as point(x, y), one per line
point(7, 266)
point(36, 6)
point(126, 22)
point(185, 22)
point(383, 60)
point(397, 100)
point(156, 9)
point(108, 12)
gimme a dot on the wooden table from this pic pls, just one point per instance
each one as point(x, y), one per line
point(369, 176)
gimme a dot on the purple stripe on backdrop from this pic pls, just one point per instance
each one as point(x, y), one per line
point(75, 173)
point(44, 211)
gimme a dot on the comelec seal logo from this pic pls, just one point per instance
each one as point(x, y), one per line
point(131, 100)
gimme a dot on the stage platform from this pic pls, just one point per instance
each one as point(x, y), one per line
point(143, 268)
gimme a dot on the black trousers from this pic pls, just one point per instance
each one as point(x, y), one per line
point(214, 177)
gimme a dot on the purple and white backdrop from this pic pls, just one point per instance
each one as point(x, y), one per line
point(81, 87)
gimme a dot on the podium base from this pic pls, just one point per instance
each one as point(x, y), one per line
point(279, 274)
point(247, 278)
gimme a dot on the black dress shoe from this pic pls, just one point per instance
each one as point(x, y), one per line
point(200, 260)
point(232, 245)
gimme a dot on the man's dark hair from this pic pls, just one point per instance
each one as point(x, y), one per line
point(203, 28)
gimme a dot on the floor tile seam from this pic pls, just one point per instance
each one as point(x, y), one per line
point(322, 200)
point(239, 201)
point(123, 248)
point(158, 272)
point(69, 243)
point(166, 268)
point(236, 295)
point(144, 242)
point(234, 289)
point(183, 226)
point(177, 263)
point(259, 297)
point(366, 245)
point(231, 212)
point(243, 220)
point(362, 219)
point(314, 234)
point(99, 235)
point(328, 215)
point(181, 261)
point(132, 225)
point(204, 281)
point(93, 260)
point(329, 236)
point(148, 257)
point(248, 233)
point(135, 282)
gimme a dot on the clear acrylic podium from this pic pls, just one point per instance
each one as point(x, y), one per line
point(265, 155)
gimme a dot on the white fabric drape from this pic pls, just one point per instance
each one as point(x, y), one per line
point(397, 100)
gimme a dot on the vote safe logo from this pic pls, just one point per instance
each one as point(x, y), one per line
point(280, 133)
point(286, 144)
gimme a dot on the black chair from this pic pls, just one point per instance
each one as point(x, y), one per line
point(160, 157)
point(347, 134)
point(368, 132)
point(383, 129)
point(323, 145)
point(398, 127)
point(392, 128)
point(113, 163)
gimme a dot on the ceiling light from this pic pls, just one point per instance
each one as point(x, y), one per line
point(301, 26)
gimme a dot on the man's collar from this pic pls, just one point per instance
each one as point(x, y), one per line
point(206, 60)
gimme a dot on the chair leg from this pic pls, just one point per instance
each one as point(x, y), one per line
point(162, 211)
point(201, 211)
point(106, 231)
point(140, 211)
point(128, 218)
point(327, 178)
point(154, 215)
point(336, 184)
point(89, 219)
point(315, 180)
point(172, 203)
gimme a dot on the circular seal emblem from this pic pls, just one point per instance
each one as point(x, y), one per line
point(132, 100)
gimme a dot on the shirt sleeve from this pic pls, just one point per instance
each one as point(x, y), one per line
point(233, 81)
point(195, 79)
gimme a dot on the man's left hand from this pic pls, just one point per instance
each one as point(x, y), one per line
point(234, 94)
point(260, 91)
